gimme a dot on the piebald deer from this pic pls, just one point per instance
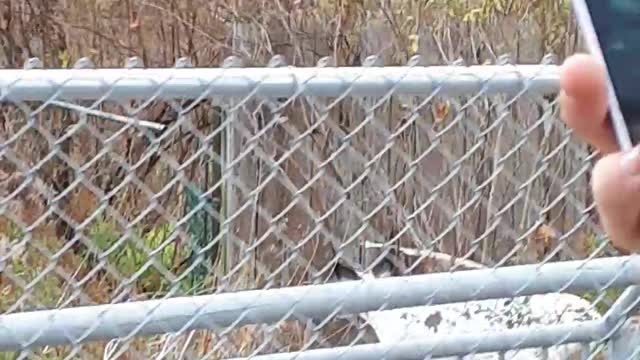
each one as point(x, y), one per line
point(391, 326)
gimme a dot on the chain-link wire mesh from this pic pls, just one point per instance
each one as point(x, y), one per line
point(225, 212)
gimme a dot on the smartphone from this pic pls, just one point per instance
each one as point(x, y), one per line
point(611, 30)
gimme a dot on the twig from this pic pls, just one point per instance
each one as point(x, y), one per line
point(113, 117)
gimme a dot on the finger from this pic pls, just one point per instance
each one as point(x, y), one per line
point(616, 189)
point(583, 101)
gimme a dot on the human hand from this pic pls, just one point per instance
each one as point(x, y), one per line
point(616, 175)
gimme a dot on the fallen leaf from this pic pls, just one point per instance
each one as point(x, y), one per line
point(441, 111)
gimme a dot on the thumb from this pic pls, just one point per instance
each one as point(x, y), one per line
point(616, 189)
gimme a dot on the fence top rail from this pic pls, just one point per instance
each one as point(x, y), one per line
point(200, 83)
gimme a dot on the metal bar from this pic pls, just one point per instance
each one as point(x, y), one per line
point(106, 115)
point(456, 345)
point(621, 308)
point(119, 84)
point(88, 323)
point(624, 344)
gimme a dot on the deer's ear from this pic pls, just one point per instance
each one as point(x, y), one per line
point(385, 266)
point(389, 265)
point(343, 272)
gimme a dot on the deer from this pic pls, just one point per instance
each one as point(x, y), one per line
point(413, 323)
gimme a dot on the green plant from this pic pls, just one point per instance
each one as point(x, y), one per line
point(603, 303)
point(131, 253)
point(34, 283)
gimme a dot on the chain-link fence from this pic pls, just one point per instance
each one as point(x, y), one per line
point(226, 212)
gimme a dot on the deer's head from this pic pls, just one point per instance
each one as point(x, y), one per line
point(381, 264)
point(383, 261)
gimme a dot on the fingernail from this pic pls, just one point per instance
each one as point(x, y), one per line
point(631, 161)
